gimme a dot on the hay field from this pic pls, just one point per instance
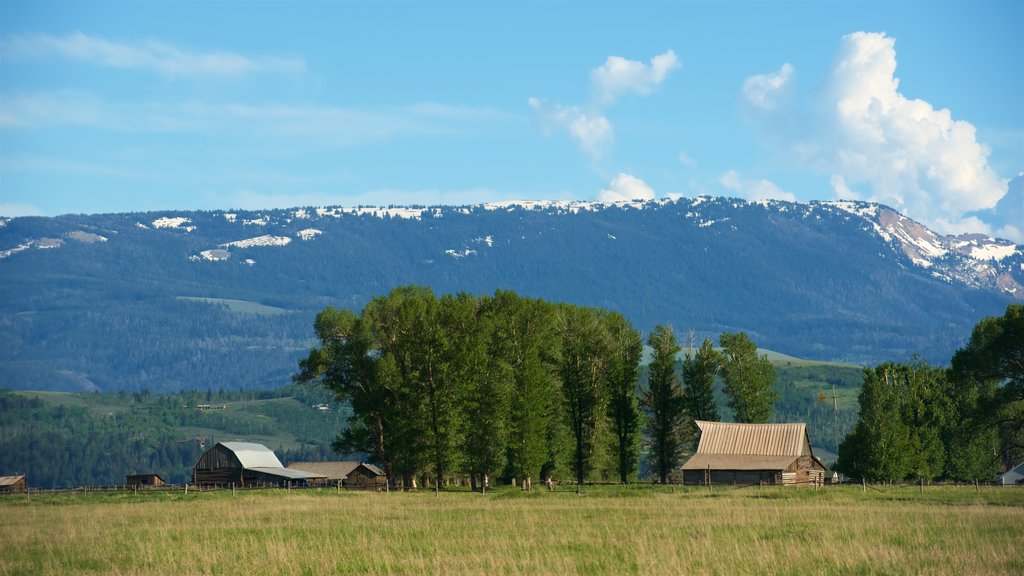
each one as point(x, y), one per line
point(637, 530)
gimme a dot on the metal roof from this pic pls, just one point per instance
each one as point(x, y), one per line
point(738, 462)
point(337, 470)
point(253, 455)
point(753, 439)
point(10, 480)
point(289, 473)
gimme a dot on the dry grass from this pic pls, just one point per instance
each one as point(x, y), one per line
point(610, 531)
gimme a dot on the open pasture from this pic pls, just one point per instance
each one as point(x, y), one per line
point(607, 530)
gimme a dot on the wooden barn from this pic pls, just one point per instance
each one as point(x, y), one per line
point(144, 480)
point(242, 464)
point(351, 473)
point(731, 453)
point(13, 484)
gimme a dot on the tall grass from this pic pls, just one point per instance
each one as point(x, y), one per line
point(618, 531)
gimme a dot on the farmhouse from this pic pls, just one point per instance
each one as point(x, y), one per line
point(351, 474)
point(13, 484)
point(1012, 477)
point(731, 453)
point(140, 480)
point(244, 463)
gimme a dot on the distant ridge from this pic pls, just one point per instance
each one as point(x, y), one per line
point(96, 301)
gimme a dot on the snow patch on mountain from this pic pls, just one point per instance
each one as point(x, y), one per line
point(266, 240)
point(177, 223)
point(19, 248)
point(215, 255)
point(230, 217)
point(85, 237)
point(460, 253)
point(261, 221)
point(308, 233)
point(49, 243)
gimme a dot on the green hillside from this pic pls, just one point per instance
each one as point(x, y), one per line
point(71, 439)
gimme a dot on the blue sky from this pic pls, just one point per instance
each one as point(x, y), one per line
point(111, 107)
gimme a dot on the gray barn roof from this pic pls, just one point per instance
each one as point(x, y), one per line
point(253, 455)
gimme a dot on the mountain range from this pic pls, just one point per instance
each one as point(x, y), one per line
point(208, 300)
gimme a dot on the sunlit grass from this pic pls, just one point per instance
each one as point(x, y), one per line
point(636, 530)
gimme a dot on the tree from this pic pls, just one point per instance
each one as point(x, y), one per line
point(993, 364)
point(625, 351)
point(525, 340)
point(749, 379)
point(663, 402)
point(878, 448)
point(581, 370)
point(699, 371)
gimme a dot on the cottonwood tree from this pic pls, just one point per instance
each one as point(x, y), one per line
point(749, 379)
point(699, 370)
point(878, 448)
point(663, 402)
point(625, 349)
point(581, 370)
point(993, 364)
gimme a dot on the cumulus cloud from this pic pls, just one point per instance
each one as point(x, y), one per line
point(589, 126)
point(864, 131)
point(764, 90)
point(150, 55)
point(625, 187)
point(591, 130)
point(754, 188)
point(619, 76)
point(685, 159)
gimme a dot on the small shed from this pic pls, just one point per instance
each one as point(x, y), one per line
point(351, 473)
point(1012, 477)
point(142, 480)
point(17, 483)
point(730, 453)
point(243, 464)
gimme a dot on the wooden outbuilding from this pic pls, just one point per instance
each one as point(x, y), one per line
point(144, 480)
point(730, 453)
point(17, 483)
point(350, 473)
point(243, 464)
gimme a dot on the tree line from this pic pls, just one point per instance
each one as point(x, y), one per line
point(520, 388)
point(964, 422)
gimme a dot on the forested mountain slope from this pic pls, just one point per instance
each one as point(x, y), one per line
point(207, 300)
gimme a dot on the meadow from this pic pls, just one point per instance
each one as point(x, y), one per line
point(606, 530)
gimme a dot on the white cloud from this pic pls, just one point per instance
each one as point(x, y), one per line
point(15, 209)
point(840, 188)
point(619, 76)
point(625, 187)
point(329, 125)
point(591, 130)
point(901, 151)
point(151, 55)
point(685, 159)
point(754, 189)
point(764, 90)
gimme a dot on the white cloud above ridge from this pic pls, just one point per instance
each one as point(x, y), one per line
point(764, 90)
point(152, 55)
point(619, 76)
point(331, 125)
point(753, 188)
point(589, 126)
point(862, 131)
point(591, 130)
point(626, 187)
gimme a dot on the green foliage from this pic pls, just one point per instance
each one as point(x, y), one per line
point(482, 385)
point(63, 440)
point(749, 379)
point(621, 375)
point(664, 403)
point(992, 366)
point(699, 371)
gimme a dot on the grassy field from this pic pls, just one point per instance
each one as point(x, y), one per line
point(636, 530)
